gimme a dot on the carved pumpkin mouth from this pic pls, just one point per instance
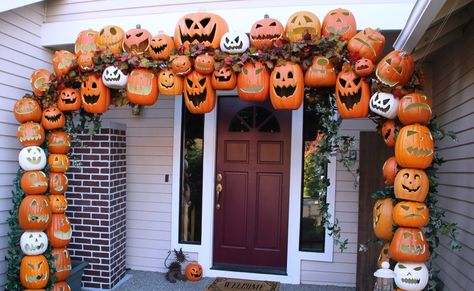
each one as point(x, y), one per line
point(139, 89)
point(65, 268)
point(387, 134)
point(53, 118)
point(69, 100)
point(417, 105)
point(167, 86)
point(197, 98)
point(159, 49)
point(112, 79)
point(252, 89)
point(222, 78)
point(35, 278)
point(34, 160)
point(30, 248)
point(234, 47)
point(383, 109)
point(90, 98)
point(38, 218)
point(284, 91)
point(39, 184)
point(34, 137)
point(201, 67)
point(362, 67)
point(414, 215)
point(417, 250)
point(411, 280)
point(350, 99)
point(411, 190)
point(200, 38)
point(142, 46)
point(266, 37)
point(420, 152)
point(300, 30)
point(63, 235)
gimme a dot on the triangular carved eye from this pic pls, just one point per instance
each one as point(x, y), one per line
point(190, 83)
point(342, 82)
point(308, 19)
point(202, 82)
point(236, 39)
point(258, 25)
point(357, 81)
point(290, 75)
point(188, 22)
point(34, 202)
point(294, 19)
point(273, 24)
point(205, 21)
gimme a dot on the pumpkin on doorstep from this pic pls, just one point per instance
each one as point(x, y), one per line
point(204, 64)
point(409, 245)
point(411, 214)
point(161, 46)
point(352, 94)
point(411, 276)
point(59, 231)
point(30, 134)
point(414, 108)
point(58, 203)
point(388, 131)
point(384, 255)
point(199, 96)
point(389, 169)
point(69, 99)
point(364, 67)
point(40, 81)
point(368, 43)
point(27, 109)
point(395, 69)
point(414, 147)
point(32, 158)
point(169, 83)
point(62, 263)
point(59, 142)
point(142, 87)
point(34, 272)
point(265, 32)
point(33, 243)
point(193, 271)
point(234, 42)
point(95, 95)
point(302, 22)
point(85, 60)
point(114, 78)
point(287, 86)
point(58, 163)
point(61, 286)
point(34, 182)
point(382, 219)
point(34, 213)
point(52, 118)
point(63, 62)
point(137, 40)
point(411, 184)
point(384, 104)
point(321, 73)
point(224, 79)
point(86, 41)
point(339, 22)
point(110, 38)
point(253, 82)
point(181, 65)
point(58, 183)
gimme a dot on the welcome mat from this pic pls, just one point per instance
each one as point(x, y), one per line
point(228, 284)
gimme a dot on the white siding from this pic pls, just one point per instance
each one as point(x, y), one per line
point(20, 54)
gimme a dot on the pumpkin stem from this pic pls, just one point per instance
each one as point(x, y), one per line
point(138, 26)
point(266, 16)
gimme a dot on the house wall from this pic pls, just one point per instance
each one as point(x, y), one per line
point(20, 54)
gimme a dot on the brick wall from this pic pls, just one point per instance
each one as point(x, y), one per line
point(97, 201)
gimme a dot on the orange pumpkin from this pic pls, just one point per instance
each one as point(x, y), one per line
point(224, 79)
point(352, 94)
point(34, 213)
point(199, 96)
point(414, 108)
point(411, 184)
point(388, 131)
point(193, 271)
point(40, 81)
point(414, 147)
point(52, 118)
point(181, 65)
point(411, 214)
point(69, 99)
point(395, 69)
point(142, 87)
point(110, 38)
point(27, 109)
point(321, 73)
point(204, 64)
point(85, 60)
point(63, 62)
point(253, 82)
point(169, 83)
point(339, 22)
point(161, 47)
point(34, 182)
point(409, 245)
point(62, 263)
point(389, 169)
point(95, 95)
point(287, 86)
point(368, 43)
point(58, 203)
point(34, 272)
point(382, 218)
point(59, 231)
point(86, 41)
point(58, 163)
point(61, 286)
point(302, 22)
point(30, 134)
point(265, 32)
point(364, 67)
point(58, 183)
point(384, 255)
point(137, 40)
point(59, 142)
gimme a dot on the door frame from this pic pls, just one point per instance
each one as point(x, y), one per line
point(203, 252)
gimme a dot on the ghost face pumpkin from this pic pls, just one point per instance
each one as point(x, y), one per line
point(142, 87)
point(411, 184)
point(114, 78)
point(30, 134)
point(321, 73)
point(384, 104)
point(414, 108)
point(204, 64)
point(40, 81)
point(110, 38)
point(389, 170)
point(414, 147)
point(161, 46)
point(287, 86)
point(382, 218)
point(352, 95)
point(411, 214)
point(59, 142)
point(58, 163)
point(233, 42)
point(69, 99)
point(59, 231)
point(58, 183)
point(95, 95)
point(32, 158)
point(339, 22)
point(368, 43)
point(411, 276)
point(253, 82)
point(302, 22)
point(63, 62)
point(85, 41)
point(33, 242)
point(34, 213)
point(137, 40)
point(34, 272)
point(199, 96)
point(34, 182)
point(364, 67)
point(181, 65)
point(395, 68)
point(62, 263)
point(409, 245)
point(27, 109)
point(388, 132)
point(58, 203)
point(224, 79)
point(52, 118)
point(265, 32)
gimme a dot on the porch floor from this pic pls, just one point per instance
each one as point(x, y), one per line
point(154, 281)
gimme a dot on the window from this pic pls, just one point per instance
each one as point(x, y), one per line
point(254, 117)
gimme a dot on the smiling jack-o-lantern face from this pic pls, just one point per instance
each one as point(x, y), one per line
point(137, 40)
point(224, 79)
point(302, 22)
point(34, 272)
point(62, 263)
point(58, 203)
point(59, 142)
point(382, 218)
point(395, 68)
point(199, 95)
point(339, 22)
point(321, 73)
point(85, 60)
point(384, 104)
point(364, 67)
point(34, 212)
point(52, 118)
point(161, 46)
point(233, 42)
point(411, 214)
point(414, 147)
point(388, 131)
point(59, 231)
point(414, 108)
point(33, 242)
point(193, 271)
point(58, 183)
point(411, 184)
point(181, 65)
point(265, 32)
point(63, 62)
point(30, 134)
point(384, 255)
point(58, 163)
point(352, 95)
point(368, 43)
point(86, 41)
point(40, 81)
point(95, 95)
point(287, 86)
point(110, 38)
point(34, 182)
point(27, 109)
point(61, 286)
point(411, 276)
point(253, 82)
point(142, 87)
point(69, 99)
point(389, 169)
point(32, 158)
point(409, 245)
point(204, 64)
point(169, 83)
point(114, 78)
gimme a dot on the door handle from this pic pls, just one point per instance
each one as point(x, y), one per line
point(218, 194)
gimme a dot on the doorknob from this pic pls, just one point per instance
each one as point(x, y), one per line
point(218, 194)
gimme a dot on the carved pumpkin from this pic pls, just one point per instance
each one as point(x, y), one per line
point(414, 108)
point(395, 68)
point(181, 65)
point(69, 99)
point(114, 78)
point(200, 28)
point(199, 96)
point(384, 104)
point(411, 184)
point(33, 242)
point(95, 95)
point(411, 276)
point(59, 231)
point(204, 64)
point(58, 183)
point(352, 95)
point(137, 40)
point(409, 245)
point(30, 134)
point(321, 73)
point(411, 214)
point(62, 263)
point(58, 163)
point(253, 82)
point(265, 32)
point(224, 79)
point(233, 42)
point(34, 182)
point(34, 272)
point(287, 86)
point(86, 41)
point(169, 83)
point(59, 142)
point(63, 62)
point(382, 218)
point(40, 81)
point(414, 147)
point(368, 43)
point(52, 118)
point(302, 22)
point(384, 255)
point(34, 213)
point(58, 203)
point(85, 60)
point(193, 271)
point(32, 158)
point(389, 169)
point(27, 109)
point(364, 67)
point(142, 87)
point(339, 22)
point(161, 46)
point(388, 131)
point(61, 286)
point(110, 38)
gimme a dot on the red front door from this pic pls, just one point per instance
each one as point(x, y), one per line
point(251, 210)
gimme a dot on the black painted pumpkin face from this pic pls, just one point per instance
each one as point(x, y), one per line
point(161, 46)
point(287, 86)
point(352, 95)
point(95, 95)
point(199, 95)
point(52, 118)
point(224, 79)
point(169, 83)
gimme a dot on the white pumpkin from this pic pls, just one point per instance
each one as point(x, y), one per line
point(114, 78)
point(32, 158)
point(234, 42)
point(384, 104)
point(411, 276)
point(33, 242)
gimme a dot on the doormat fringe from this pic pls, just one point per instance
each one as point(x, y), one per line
point(228, 284)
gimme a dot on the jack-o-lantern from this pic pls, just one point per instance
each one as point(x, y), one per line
point(409, 245)
point(253, 82)
point(411, 184)
point(414, 108)
point(169, 83)
point(59, 142)
point(95, 95)
point(199, 96)
point(85, 60)
point(388, 130)
point(30, 134)
point(321, 73)
point(287, 86)
point(181, 65)
point(59, 231)
point(411, 214)
point(204, 64)
point(86, 41)
point(302, 22)
point(368, 43)
point(33, 242)
point(62, 263)
point(61, 286)
point(58, 183)
point(52, 118)
point(395, 69)
point(339, 22)
point(364, 67)
point(384, 104)
point(63, 62)
point(69, 99)
point(382, 218)
point(384, 255)
point(411, 276)
point(40, 81)
point(234, 42)
point(414, 147)
point(34, 182)
point(110, 38)
point(265, 32)
point(193, 271)
point(58, 203)
point(389, 169)
point(114, 78)
point(224, 79)
point(137, 40)
point(161, 46)
point(58, 163)
point(27, 109)
point(34, 213)
point(200, 28)
point(34, 272)
point(352, 94)
point(32, 158)
point(142, 87)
